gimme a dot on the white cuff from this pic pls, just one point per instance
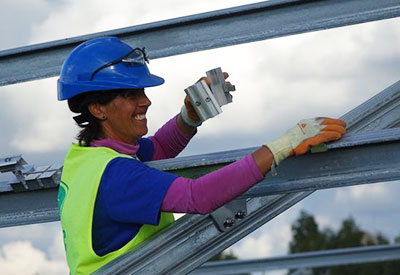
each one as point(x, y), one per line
point(280, 148)
point(187, 120)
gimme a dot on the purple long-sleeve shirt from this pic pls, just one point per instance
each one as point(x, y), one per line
point(202, 195)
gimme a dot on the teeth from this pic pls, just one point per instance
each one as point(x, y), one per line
point(140, 117)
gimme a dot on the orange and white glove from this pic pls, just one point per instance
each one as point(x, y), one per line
point(306, 133)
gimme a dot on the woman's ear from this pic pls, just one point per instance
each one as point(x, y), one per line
point(97, 110)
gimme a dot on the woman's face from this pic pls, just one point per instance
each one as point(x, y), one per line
point(126, 117)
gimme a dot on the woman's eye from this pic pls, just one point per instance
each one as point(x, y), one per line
point(133, 94)
point(130, 95)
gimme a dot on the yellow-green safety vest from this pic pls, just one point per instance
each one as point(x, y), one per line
point(80, 180)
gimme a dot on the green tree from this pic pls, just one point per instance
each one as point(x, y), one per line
point(306, 236)
point(223, 256)
point(351, 235)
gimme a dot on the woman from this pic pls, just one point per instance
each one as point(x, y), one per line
point(109, 200)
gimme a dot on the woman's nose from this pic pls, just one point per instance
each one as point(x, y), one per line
point(144, 101)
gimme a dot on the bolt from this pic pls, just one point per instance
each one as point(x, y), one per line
point(240, 214)
point(229, 222)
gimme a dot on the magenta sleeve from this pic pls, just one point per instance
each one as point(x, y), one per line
point(169, 140)
point(211, 191)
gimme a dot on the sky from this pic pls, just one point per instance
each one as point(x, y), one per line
point(277, 81)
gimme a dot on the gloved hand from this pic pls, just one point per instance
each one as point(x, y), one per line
point(306, 133)
point(188, 113)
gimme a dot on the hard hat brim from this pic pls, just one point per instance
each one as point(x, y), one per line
point(67, 90)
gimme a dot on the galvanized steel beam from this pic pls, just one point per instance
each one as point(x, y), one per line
point(28, 207)
point(347, 162)
point(259, 21)
point(326, 258)
point(157, 260)
point(382, 111)
point(193, 239)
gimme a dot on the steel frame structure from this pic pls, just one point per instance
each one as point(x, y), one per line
point(325, 258)
point(193, 239)
point(249, 23)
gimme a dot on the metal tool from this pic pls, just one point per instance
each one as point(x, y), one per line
point(207, 102)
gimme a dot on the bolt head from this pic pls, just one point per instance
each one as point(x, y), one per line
point(240, 214)
point(229, 222)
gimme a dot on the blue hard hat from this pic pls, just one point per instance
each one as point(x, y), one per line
point(103, 64)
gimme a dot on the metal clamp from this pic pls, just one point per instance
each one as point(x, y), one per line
point(207, 102)
point(11, 164)
point(230, 214)
point(219, 87)
point(38, 178)
point(15, 165)
point(203, 100)
point(28, 178)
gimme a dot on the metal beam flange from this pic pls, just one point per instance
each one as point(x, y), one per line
point(347, 163)
point(194, 239)
point(325, 258)
point(233, 26)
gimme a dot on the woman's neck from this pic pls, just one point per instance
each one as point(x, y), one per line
point(119, 146)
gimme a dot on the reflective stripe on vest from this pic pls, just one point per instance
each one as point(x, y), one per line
point(80, 180)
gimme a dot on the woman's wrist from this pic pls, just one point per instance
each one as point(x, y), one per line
point(183, 127)
point(264, 159)
point(187, 120)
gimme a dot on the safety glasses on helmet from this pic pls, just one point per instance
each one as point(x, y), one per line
point(136, 57)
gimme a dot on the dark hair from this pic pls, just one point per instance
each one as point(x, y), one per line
point(91, 127)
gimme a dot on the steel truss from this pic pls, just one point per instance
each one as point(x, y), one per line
point(193, 239)
point(380, 112)
point(249, 23)
point(325, 258)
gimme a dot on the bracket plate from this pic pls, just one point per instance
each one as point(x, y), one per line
point(228, 215)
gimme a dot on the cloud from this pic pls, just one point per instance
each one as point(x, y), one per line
point(251, 247)
point(278, 82)
point(43, 236)
point(22, 258)
point(379, 193)
point(73, 18)
point(18, 29)
point(56, 250)
point(325, 221)
point(32, 249)
point(38, 122)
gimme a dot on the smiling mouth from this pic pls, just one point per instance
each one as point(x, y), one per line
point(140, 117)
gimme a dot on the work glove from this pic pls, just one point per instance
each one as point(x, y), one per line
point(306, 133)
point(188, 113)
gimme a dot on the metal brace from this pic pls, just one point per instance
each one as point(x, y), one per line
point(228, 215)
point(15, 165)
point(207, 102)
point(27, 178)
